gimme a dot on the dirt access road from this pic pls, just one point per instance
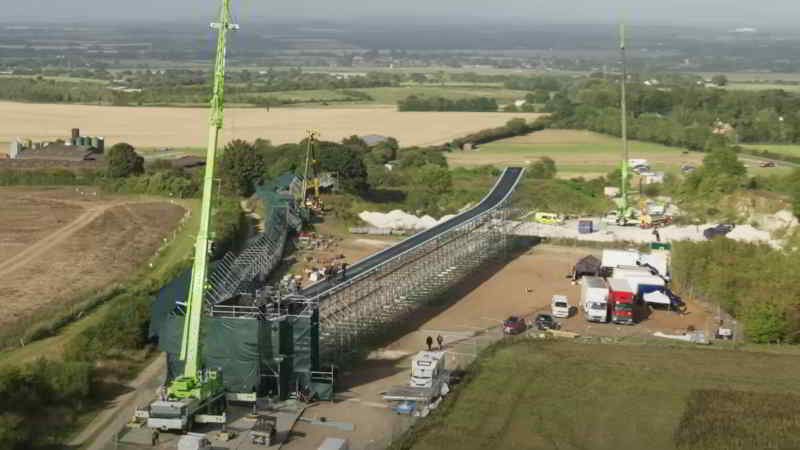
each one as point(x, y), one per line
point(59, 245)
point(523, 286)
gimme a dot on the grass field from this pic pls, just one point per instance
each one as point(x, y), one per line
point(567, 395)
point(788, 149)
point(188, 127)
point(582, 153)
point(764, 77)
point(576, 152)
point(390, 95)
point(763, 87)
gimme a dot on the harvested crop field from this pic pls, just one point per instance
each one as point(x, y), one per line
point(60, 245)
point(188, 127)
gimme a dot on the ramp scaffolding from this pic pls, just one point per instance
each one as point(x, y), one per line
point(269, 341)
point(384, 287)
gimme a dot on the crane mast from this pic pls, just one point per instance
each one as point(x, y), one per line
point(190, 344)
point(311, 170)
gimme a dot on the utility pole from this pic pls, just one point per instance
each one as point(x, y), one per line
point(624, 188)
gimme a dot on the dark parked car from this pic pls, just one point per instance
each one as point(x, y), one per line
point(544, 321)
point(719, 230)
point(767, 164)
point(514, 325)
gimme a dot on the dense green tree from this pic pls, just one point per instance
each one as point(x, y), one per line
point(543, 169)
point(433, 179)
point(347, 163)
point(355, 142)
point(418, 157)
point(764, 322)
point(241, 168)
point(723, 161)
point(123, 161)
point(720, 80)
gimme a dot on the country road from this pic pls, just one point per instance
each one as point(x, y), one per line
point(99, 434)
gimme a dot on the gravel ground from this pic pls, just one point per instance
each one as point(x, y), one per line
point(608, 233)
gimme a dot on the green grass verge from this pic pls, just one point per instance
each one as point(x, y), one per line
point(568, 395)
point(787, 149)
point(762, 87)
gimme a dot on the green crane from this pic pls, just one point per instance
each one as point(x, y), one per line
point(191, 384)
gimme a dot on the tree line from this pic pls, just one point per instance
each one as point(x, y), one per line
point(514, 127)
point(477, 104)
point(681, 113)
point(755, 283)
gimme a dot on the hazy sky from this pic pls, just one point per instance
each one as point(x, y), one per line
point(675, 12)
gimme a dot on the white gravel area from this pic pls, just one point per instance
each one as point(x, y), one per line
point(399, 219)
point(608, 233)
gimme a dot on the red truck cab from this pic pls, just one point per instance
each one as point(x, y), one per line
point(621, 301)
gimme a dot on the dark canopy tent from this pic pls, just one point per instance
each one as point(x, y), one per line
point(587, 266)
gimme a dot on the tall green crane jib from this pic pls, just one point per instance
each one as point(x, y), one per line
point(190, 344)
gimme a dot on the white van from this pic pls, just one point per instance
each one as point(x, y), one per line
point(560, 306)
point(334, 444)
point(194, 441)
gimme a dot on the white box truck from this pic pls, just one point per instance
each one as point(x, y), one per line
point(646, 284)
point(334, 444)
point(594, 299)
point(425, 368)
point(631, 271)
point(616, 258)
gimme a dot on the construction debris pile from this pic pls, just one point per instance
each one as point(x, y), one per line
point(319, 260)
point(400, 220)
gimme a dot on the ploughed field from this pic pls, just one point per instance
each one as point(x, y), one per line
point(535, 394)
point(60, 246)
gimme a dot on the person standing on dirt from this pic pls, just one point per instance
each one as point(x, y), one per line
point(155, 438)
point(429, 341)
point(440, 341)
point(656, 234)
point(344, 270)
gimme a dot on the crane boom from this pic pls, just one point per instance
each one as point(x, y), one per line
point(190, 344)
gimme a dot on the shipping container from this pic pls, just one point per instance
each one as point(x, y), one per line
point(621, 297)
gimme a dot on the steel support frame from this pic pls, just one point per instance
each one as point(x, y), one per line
point(357, 311)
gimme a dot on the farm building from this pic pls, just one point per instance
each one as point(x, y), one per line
point(374, 139)
point(188, 162)
point(60, 152)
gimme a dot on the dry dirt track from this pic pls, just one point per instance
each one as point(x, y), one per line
point(188, 127)
point(56, 237)
point(59, 245)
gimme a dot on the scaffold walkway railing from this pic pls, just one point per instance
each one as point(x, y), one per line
point(261, 255)
point(382, 288)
